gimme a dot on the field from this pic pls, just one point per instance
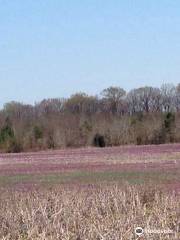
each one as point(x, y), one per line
point(91, 193)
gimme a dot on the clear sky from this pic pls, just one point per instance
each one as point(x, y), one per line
point(53, 48)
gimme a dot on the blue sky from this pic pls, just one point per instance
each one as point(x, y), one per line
point(58, 47)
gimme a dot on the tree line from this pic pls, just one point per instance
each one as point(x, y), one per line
point(146, 115)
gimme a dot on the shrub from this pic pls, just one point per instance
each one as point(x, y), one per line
point(14, 146)
point(50, 141)
point(169, 127)
point(99, 140)
point(6, 133)
point(169, 121)
point(38, 133)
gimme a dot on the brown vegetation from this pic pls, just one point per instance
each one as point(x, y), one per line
point(90, 212)
point(145, 115)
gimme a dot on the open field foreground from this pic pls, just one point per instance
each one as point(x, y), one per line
point(91, 193)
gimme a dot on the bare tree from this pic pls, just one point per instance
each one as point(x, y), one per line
point(114, 97)
point(82, 103)
point(145, 99)
point(177, 98)
point(18, 110)
point(49, 106)
point(168, 92)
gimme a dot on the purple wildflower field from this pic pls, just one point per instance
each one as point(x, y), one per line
point(159, 159)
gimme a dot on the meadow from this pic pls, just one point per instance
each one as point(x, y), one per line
point(91, 193)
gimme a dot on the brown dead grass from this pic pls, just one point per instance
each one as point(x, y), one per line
point(87, 212)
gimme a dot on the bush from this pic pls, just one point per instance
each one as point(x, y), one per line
point(14, 146)
point(158, 137)
point(169, 121)
point(50, 141)
point(8, 141)
point(169, 127)
point(6, 133)
point(99, 141)
point(139, 140)
point(38, 133)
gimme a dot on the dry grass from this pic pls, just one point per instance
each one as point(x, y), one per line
point(87, 212)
